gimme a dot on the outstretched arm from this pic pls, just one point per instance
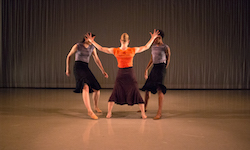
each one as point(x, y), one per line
point(98, 63)
point(99, 47)
point(148, 66)
point(168, 54)
point(147, 46)
point(72, 51)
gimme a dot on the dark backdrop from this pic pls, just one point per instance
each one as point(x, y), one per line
point(209, 40)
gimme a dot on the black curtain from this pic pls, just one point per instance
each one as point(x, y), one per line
point(209, 40)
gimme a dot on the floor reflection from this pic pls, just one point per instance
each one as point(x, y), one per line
point(191, 119)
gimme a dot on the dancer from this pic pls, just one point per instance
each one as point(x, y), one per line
point(85, 80)
point(125, 90)
point(160, 57)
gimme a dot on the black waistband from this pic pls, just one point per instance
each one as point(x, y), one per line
point(81, 62)
point(126, 68)
point(160, 64)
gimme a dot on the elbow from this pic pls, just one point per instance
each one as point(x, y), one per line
point(101, 48)
point(68, 58)
point(147, 47)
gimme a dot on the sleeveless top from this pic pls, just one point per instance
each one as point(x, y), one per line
point(83, 54)
point(124, 57)
point(159, 53)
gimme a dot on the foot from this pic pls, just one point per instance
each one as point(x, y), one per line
point(157, 117)
point(144, 116)
point(109, 115)
point(92, 115)
point(98, 110)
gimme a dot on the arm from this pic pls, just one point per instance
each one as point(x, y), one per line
point(99, 47)
point(147, 46)
point(148, 66)
point(72, 51)
point(98, 63)
point(168, 54)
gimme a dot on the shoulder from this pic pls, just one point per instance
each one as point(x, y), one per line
point(166, 46)
point(132, 49)
point(115, 50)
point(91, 46)
point(77, 45)
point(153, 46)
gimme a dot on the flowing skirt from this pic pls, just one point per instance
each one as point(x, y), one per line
point(126, 89)
point(84, 75)
point(155, 79)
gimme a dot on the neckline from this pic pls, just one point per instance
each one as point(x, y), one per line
point(124, 49)
point(85, 46)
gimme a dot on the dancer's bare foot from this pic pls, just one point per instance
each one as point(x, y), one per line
point(157, 117)
point(109, 115)
point(144, 116)
point(92, 115)
point(98, 110)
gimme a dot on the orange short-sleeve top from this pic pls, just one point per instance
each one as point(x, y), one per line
point(124, 57)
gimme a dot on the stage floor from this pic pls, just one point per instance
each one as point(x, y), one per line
point(56, 119)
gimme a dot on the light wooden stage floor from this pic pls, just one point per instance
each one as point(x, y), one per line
point(56, 119)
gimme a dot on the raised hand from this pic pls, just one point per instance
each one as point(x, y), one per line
point(89, 37)
point(155, 34)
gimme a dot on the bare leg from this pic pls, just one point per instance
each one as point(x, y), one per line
point(85, 97)
point(160, 97)
point(95, 97)
point(147, 96)
point(110, 107)
point(143, 115)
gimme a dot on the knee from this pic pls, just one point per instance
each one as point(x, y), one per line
point(85, 87)
point(96, 91)
point(160, 93)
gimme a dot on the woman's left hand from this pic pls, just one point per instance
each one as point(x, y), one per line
point(89, 37)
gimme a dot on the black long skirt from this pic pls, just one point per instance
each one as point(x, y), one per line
point(155, 79)
point(126, 89)
point(83, 75)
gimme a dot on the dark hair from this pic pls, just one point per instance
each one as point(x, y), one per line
point(161, 33)
point(83, 40)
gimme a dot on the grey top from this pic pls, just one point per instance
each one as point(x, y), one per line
point(82, 53)
point(159, 53)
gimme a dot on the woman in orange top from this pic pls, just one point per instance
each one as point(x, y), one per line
point(125, 90)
